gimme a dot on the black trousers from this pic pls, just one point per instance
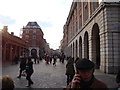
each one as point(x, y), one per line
point(69, 78)
point(20, 72)
point(29, 77)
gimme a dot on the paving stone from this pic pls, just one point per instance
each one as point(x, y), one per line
point(49, 76)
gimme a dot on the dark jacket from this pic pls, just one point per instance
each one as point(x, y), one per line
point(118, 77)
point(23, 64)
point(70, 67)
point(96, 84)
point(29, 67)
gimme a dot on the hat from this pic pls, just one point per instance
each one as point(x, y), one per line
point(82, 64)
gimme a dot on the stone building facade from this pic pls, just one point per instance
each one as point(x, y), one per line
point(12, 46)
point(92, 31)
point(33, 35)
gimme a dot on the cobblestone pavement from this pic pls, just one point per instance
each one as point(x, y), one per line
point(44, 76)
point(108, 79)
point(49, 76)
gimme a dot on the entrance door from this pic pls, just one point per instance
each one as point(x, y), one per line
point(34, 53)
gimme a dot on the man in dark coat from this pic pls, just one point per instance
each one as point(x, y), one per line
point(22, 65)
point(118, 78)
point(29, 71)
point(84, 77)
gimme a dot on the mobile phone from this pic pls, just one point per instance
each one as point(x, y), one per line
point(78, 73)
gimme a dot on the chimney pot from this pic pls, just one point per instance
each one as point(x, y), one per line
point(12, 33)
point(5, 28)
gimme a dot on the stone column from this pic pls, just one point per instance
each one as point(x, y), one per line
point(83, 54)
point(15, 47)
point(82, 13)
point(88, 8)
point(11, 52)
point(90, 48)
point(103, 55)
point(37, 51)
point(4, 53)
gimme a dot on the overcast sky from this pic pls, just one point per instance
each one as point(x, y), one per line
point(51, 15)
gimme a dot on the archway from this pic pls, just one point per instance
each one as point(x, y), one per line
point(96, 45)
point(34, 53)
point(86, 46)
point(80, 47)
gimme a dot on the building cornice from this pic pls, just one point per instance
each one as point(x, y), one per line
point(101, 7)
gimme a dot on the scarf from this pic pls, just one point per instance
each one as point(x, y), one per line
point(86, 84)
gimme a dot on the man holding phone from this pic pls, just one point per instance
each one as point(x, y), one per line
point(84, 77)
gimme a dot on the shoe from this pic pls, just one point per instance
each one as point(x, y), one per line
point(27, 85)
point(31, 83)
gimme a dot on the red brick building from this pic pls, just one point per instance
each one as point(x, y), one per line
point(12, 46)
point(33, 35)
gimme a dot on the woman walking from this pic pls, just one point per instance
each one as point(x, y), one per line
point(70, 71)
point(29, 71)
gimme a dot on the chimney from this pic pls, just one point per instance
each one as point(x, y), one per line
point(12, 33)
point(5, 28)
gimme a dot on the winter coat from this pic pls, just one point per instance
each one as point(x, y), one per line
point(23, 64)
point(29, 67)
point(118, 77)
point(70, 67)
point(96, 85)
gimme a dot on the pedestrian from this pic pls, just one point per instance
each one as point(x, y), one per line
point(118, 79)
point(47, 59)
point(38, 60)
point(22, 66)
point(7, 83)
point(50, 59)
point(54, 60)
point(29, 71)
point(63, 57)
point(35, 59)
point(84, 77)
point(70, 71)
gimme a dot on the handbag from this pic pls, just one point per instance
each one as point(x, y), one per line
point(24, 73)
